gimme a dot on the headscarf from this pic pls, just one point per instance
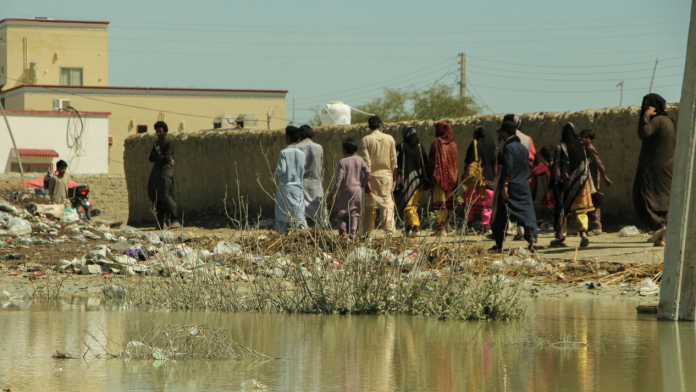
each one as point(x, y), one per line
point(574, 147)
point(656, 101)
point(569, 172)
point(410, 136)
point(443, 166)
point(411, 165)
point(486, 152)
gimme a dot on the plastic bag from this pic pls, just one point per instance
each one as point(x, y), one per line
point(70, 215)
point(18, 226)
point(629, 231)
point(227, 247)
point(362, 254)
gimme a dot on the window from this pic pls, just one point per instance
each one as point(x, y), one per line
point(71, 76)
point(142, 128)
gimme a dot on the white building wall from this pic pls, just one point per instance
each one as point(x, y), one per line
point(49, 130)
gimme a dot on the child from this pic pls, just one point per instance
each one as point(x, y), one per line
point(596, 170)
point(59, 184)
point(544, 169)
point(352, 177)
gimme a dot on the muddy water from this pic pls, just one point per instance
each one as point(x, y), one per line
point(625, 351)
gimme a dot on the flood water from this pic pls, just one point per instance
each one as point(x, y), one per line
point(626, 351)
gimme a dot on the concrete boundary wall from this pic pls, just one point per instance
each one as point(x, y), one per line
point(108, 191)
point(211, 164)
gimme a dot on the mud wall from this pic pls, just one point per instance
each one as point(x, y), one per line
point(210, 165)
point(108, 191)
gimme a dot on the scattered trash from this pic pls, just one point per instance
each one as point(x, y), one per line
point(70, 215)
point(361, 254)
point(227, 247)
point(18, 226)
point(386, 256)
point(647, 287)
point(591, 285)
point(13, 257)
point(22, 294)
point(629, 231)
point(523, 252)
point(408, 257)
point(113, 291)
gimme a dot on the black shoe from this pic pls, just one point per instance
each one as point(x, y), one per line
point(495, 248)
point(557, 244)
point(585, 242)
point(517, 237)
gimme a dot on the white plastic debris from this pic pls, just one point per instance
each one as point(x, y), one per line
point(629, 231)
point(386, 256)
point(70, 215)
point(227, 247)
point(21, 294)
point(113, 291)
point(361, 254)
point(407, 257)
point(647, 286)
point(91, 269)
point(18, 226)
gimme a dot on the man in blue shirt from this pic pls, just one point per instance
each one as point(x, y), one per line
point(290, 207)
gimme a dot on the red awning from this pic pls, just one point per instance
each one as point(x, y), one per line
point(36, 153)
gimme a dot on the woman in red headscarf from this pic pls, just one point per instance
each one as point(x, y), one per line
point(443, 174)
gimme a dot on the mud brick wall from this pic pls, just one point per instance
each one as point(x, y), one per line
point(108, 191)
point(211, 164)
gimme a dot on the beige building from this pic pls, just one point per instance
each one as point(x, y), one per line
point(50, 65)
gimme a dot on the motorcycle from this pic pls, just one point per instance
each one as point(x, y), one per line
point(80, 200)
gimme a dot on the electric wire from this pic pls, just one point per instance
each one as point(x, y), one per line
point(575, 73)
point(578, 66)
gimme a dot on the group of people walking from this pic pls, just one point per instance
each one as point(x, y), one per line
point(499, 180)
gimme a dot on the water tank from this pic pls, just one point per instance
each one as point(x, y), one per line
point(335, 113)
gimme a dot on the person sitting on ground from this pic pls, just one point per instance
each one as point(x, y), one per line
point(443, 172)
point(596, 170)
point(513, 199)
point(572, 188)
point(59, 184)
point(313, 191)
point(543, 168)
point(411, 179)
point(160, 186)
point(379, 150)
point(290, 207)
point(352, 176)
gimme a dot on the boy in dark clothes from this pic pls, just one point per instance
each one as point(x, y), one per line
point(596, 170)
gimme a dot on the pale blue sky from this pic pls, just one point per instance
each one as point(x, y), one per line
point(522, 56)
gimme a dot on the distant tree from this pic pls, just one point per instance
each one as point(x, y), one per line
point(434, 103)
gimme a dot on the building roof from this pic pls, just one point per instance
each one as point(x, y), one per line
point(51, 21)
point(54, 113)
point(144, 89)
point(36, 153)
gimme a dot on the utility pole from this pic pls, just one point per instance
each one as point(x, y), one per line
point(462, 75)
point(678, 288)
point(621, 99)
point(293, 111)
point(653, 78)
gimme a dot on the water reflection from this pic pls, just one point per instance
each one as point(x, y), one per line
point(624, 351)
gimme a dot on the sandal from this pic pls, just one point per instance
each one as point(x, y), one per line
point(584, 242)
point(558, 244)
point(656, 236)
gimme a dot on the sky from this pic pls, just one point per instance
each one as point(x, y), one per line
point(529, 56)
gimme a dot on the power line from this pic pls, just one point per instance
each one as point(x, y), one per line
point(572, 92)
point(149, 22)
point(384, 81)
point(398, 33)
point(468, 83)
point(363, 44)
point(352, 57)
point(570, 80)
point(578, 66)
point(573, 73)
